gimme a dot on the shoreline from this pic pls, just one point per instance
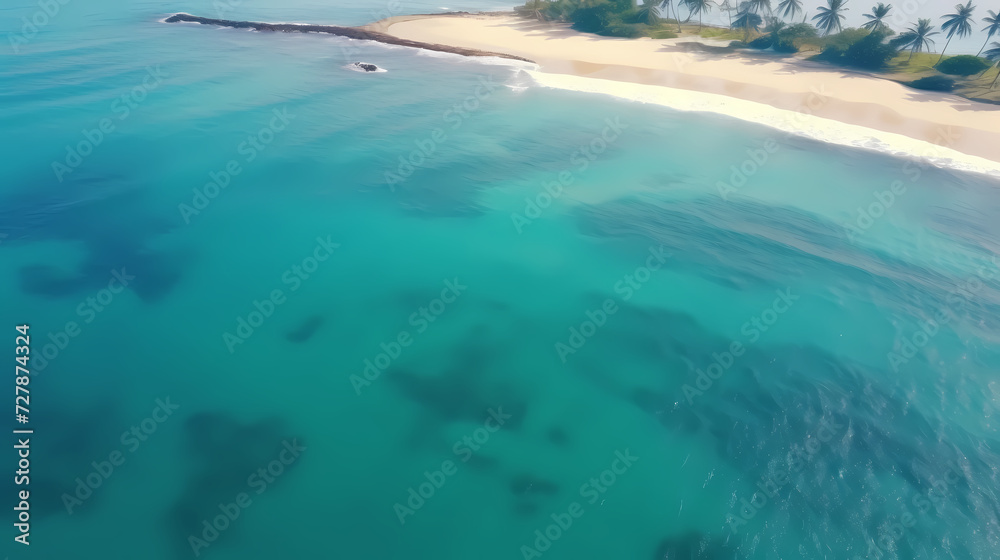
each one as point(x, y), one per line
point(845, 107)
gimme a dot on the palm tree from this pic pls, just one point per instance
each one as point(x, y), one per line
point(698, 7)
point(756, 5)
point(746, 20)
point(534, 8)
point(830, 16)
point(727, 5)
point(958, 23)
point(667, 4)
point(875, 18)
point(649, 13)
point(774, 27)
point(993, 28)
point(917, 37)
point(789, 8)
point(994, 55)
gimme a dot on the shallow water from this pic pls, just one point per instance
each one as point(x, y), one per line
point(504, 272)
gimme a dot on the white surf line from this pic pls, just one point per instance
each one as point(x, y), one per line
point(793, 122)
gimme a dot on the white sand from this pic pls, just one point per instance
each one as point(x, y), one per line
point(790, 94)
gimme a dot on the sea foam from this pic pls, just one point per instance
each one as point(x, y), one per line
point(791, 122)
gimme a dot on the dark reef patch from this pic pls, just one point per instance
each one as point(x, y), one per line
point(108, 219)
point(226, 453)
point(462, 392)
point(74, 440)
point(557, 436)
point(306, 329)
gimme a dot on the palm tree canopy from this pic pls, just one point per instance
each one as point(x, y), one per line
point(757, 5)
point(959, 22)
point(875, 18)
point(993, 28)
point(534, 8)
point(649, 13)
point(994, 53)
point(830, 16)
point(746, 19)
point(790, 8)
point(698, 6)
point(917, 37)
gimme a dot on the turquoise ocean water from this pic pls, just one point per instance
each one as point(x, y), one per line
point(767, 374)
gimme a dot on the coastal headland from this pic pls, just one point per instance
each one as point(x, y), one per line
point(362, 33)
point(798, 96)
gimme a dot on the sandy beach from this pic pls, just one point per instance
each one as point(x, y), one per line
point(788, 93)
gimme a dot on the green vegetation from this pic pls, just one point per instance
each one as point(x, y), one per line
point(784, 38)
point(720, 34)
point(964, 65)
point(844, 39)
point(919, 63)
point(794, 37)
point(934, 83)
point(870, 52)
point(872, 47)
point(615, 18)
point(662, 34)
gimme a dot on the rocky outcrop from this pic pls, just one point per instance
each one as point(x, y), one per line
point(365, 67)
point(349, 32)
